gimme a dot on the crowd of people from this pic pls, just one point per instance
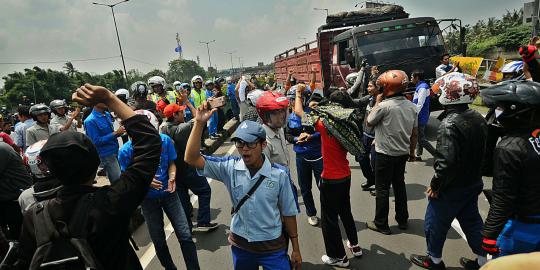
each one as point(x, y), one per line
point(148, 142)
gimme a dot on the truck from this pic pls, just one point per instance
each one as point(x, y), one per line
point(382, 36)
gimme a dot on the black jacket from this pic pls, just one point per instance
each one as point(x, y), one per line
point(114, 205)
point(460, 149)
point(516, 185)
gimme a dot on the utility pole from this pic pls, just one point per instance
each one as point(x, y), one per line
point(179, 48)
point(117, 36)
point(535, 17)
point(208, 50)
point(232, 66)
point(240, 64)
point(34, 89)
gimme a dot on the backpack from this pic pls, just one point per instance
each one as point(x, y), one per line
point(60, 245)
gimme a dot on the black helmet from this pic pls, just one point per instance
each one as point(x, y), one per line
point(518, 99)
point(58, 103)
point(139, 89)
point(38, 109)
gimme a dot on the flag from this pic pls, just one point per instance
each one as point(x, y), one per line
point(178, 49)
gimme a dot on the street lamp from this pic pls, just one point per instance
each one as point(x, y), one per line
point(208, 49)
point(117, 36)
point(325, 9)
point(232, 66)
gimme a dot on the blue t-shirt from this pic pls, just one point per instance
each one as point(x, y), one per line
point(231, 93)
point(168, 154)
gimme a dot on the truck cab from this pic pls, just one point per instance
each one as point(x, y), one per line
point(405, 44)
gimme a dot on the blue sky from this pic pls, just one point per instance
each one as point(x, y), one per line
point(53, 30)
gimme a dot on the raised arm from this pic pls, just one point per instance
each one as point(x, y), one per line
point(298, 106)
point(193, 155)
point(129, 191)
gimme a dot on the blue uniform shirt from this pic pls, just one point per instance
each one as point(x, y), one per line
point(259, 218)
point(125, 155)
point(99, 127)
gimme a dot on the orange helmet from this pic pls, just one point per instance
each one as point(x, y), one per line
point(393, 82)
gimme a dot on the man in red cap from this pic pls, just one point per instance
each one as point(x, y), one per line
point(179, 130)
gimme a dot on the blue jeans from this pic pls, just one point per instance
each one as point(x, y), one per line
point(367, 161)
point(153, 214)
point(245, 260)
point(460, 203)
point(304, 170)
point(111, 167)
point(200, 187)
point(234, 107)
point(213, 124)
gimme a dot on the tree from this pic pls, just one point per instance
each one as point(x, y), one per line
point(155, 72)
point(134, 75)
point(70, 69)
point(184, 70)
point(46, 83)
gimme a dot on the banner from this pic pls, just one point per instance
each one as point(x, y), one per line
point(467, 65)
point(495, 74)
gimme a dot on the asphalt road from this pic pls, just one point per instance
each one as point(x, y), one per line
point(380, 251)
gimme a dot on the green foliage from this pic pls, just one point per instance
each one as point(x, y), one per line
point(183, 70)
point(507, 32)
point(52, 84)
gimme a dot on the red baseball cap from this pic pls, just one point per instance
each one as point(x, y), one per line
point(172, 109)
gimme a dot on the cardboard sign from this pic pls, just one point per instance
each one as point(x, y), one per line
point(495, 74)
point(467, 65)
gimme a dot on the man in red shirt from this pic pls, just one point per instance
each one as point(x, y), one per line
point(335, 188)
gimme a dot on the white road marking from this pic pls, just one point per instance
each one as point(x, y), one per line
point(150, 252)
point(455, 225)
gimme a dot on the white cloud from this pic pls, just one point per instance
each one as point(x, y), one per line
point(224, 24)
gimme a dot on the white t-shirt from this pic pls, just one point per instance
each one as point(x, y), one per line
point(242, 91)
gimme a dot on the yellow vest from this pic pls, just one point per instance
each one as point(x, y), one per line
point(171, 96)
point(198, 99)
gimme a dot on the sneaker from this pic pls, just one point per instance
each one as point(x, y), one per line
point(214, 137)
point(344, 262)
point(313, 221)
point(206, 227)
point(366, 186)
point(403, 225)
point(372, 226)
point(426, 262)
point(356, 250)
point(469, 264)
point(373, 193)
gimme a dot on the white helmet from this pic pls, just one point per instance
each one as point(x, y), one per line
point(351, 78)
point(122, 91)
point(153, 119)
point(32, 160)
point(456, 88)
point(228, 79)
point(155, 80)
point(176, 83)
point(196, 78)
point(253, 96)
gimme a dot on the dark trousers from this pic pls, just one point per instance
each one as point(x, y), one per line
point(11, 219)
point(493, 135)
point(305, 169)
point(454, 203)
point(423, 142)
point(367, 160)
point(336, 202)
point(200, 187)
point(153, 214)
point(390, 170)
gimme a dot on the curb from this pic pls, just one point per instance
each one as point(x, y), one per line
point(213, 145)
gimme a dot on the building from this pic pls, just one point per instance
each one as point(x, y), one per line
point(528, 12)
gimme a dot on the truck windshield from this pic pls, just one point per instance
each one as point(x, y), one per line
point(398, 40)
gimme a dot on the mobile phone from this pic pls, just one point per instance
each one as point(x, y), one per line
point(216, 102)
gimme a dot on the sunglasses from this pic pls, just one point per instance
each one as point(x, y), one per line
point(241, 144)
